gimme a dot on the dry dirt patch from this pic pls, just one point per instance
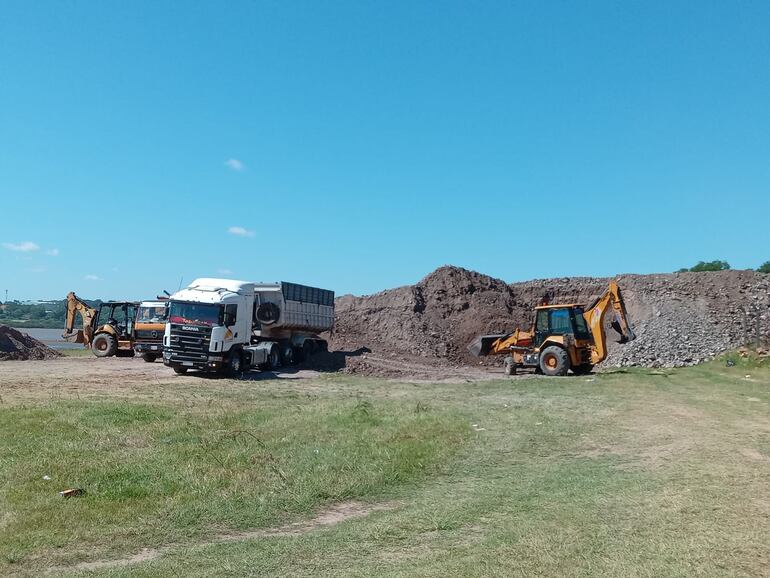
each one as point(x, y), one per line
point(331, 516)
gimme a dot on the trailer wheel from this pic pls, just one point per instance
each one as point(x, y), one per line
point(554, 361)
point(274, 358)
point(308, 348)
point(104, 345)
point(149, 357)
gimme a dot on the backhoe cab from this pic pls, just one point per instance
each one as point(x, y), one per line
point(562, 338)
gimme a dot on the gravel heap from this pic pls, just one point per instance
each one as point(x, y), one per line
point(17, 345)
point(679, 318)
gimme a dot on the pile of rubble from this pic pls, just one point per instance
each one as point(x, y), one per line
point(15, 345)
point(679, 318)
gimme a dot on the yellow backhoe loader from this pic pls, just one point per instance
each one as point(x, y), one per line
point(115, 334)
point(563, 337)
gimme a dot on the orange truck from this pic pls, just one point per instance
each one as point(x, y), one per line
point(149, 328)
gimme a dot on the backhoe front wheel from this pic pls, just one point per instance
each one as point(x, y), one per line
point(554, 361)
point(104, 345)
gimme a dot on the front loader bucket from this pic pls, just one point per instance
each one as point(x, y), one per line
point(482, 345)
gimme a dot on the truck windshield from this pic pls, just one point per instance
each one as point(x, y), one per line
point(155, 314)
point(195, 313)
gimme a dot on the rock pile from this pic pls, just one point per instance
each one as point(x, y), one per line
point(17, 345)
point(680, 318)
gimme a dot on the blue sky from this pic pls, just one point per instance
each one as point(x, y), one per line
point(358, 145)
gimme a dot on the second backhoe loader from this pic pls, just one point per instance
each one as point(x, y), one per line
point(107, 331)
point(563, 337)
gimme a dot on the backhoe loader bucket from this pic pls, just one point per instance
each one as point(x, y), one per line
point(482, 345)
point(77, 337)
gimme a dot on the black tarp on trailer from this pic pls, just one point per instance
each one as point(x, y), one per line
point(306, 294)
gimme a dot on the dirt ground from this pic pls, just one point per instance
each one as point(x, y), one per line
point(73, 377)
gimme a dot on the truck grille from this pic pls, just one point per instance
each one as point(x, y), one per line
point(186, 345)
point(149, 335)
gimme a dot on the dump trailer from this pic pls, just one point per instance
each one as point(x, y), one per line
point(223, 325)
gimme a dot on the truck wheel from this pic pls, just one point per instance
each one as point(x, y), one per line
point(234, 363)
point(308, 348)
point(554, 361)
point(104, 345)
point(149, 357)
point(180, 370)
point(509, 367)
point(274, 358)
point(288, 356)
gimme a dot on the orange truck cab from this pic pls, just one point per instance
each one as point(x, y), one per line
point(149, 328)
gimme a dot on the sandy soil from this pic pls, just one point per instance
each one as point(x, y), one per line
point(76, 377)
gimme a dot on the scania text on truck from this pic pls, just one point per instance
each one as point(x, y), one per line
point(231, 326)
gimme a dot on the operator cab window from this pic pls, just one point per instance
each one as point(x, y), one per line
point(560, 322)
point(542, 320)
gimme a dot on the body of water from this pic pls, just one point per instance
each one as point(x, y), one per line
point(51, 337)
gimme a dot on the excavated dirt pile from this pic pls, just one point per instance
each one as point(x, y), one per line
point(17, 345)
point(680, 318)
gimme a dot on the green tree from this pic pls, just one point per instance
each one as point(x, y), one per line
point(707, 266)
point(764, 267)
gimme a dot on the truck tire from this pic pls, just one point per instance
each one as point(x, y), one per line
point(268, 313)
point(149, 357)
point(274, 358)
point(179, 370)
point(234, 365)
point(104, 345)
point(554, 361)
point(308, 348)
point(509, 367)
point(287, 357)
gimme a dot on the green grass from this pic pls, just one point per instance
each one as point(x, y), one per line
point(630, 473)
point(79, 352)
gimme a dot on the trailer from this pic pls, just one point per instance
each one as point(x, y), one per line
point(223, 325)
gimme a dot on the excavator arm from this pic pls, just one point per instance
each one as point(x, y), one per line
point(595, 315)
point(88, 314)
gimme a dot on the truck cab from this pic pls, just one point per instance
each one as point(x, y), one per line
point(149, 329)
point(231, 326)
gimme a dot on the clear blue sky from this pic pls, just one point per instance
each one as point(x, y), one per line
point(358, 145)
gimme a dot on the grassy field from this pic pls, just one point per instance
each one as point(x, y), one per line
point(638, 473)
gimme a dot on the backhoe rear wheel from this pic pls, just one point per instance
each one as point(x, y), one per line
point(554, 361)
point(104, 345)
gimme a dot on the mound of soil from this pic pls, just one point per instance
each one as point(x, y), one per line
point(17, 345)
point(680, 318)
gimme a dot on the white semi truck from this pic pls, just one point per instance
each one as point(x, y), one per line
point(221, 325)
